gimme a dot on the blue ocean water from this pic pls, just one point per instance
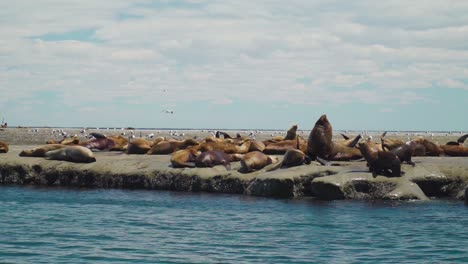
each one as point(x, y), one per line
point(51, 225)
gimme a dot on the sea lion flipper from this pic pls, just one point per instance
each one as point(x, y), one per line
point(344, 136)
point(383, 134)
point(462, 139)
point(324, 162)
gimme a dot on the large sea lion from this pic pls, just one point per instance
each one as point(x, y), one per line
point(320, 140)
point(138, 146)
point(456, 149)
point(213, 158)
point(381, 162)
point(185, 158)
point(390, 143)
point(255, 160)
point(283, 146)
point(168, 147)
point(3, 147)
point(120, 142)
point(72, 153)
point(40, 151)
point(256, 145)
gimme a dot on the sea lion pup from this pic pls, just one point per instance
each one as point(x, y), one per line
point(292, 133)
point(213, 158)
point(40, 151)
point(185, 158)
point(254, 161)
point(431, 148)
point(168, 147)
point(320, 140)
point(71, 153)
point(3, 147)
point(138, 146)
point(381, 162)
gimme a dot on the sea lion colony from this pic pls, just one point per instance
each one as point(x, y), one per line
point(384, 157)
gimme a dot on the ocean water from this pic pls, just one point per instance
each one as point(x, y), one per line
point(51, 225)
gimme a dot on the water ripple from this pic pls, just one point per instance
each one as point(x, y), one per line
point(117, 226)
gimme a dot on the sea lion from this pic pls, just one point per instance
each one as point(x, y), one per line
point(390, 143)
point(185, 158)
point(71, 153)
point(405, 152)
point(138, 146)
point(431, 148)
point(40, 151)
point(292, 133)
point(225, 135)
point(283, 146)
point(456, 149)
point(229, 148)
point(255, 160)
point(99, 144)
point(256, 145)
point(168, 147)
point(381, 161)
point(294, 157)
point(320, 140)
point(97, 135)
point(3, 147)
point(213, 158)
point(120, 142)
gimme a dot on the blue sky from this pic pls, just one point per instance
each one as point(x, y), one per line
point(368, 65)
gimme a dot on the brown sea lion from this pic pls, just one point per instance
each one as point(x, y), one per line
point(40, 151)
point(283, 146)
point(229, 148)
point(431, 148)
point(138, 146)
point(294, 157)
point(456, 149)
point(72, 153)
point(185, 158)
point(99, 144)
point(213, 158)
point(381, 162)
point(255, 160)
point(256, 145)
point(168, 147)
point(291, 134)
point(3, 147)
point(320, 140)
point(120, 142)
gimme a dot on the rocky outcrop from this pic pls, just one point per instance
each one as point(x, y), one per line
point(431, 177)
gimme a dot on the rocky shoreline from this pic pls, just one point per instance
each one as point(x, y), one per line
point(432, 177)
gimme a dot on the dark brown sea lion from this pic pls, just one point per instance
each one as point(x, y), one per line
point(3, 147)
point(72, 153)
point(97, 135)
point(320, 140)
point(225, 135)
point(383, 162)
point(255, 160)
point(460, 141)
point(185, 158)
point(138, 146)
point(168, 147)
point(40, 151)
point(405, 152)
point(99, 144)
point(291, 134)
point(213, 158)
point(294, 157)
